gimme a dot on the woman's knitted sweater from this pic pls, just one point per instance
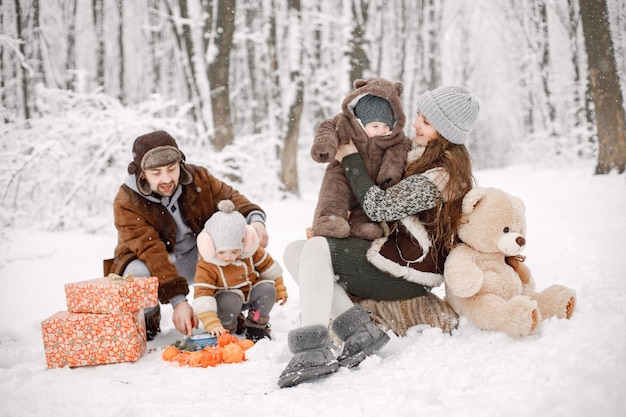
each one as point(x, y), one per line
point(405, 263)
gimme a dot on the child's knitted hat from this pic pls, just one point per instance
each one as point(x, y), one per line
point(227, 227)
point(451, 110)
point(371, 108)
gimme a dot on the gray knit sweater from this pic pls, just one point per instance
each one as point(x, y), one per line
point(412, 195)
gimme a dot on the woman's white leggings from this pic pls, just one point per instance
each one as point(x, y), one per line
point(321, 298)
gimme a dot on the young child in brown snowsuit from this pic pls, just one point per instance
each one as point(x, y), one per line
point(373, 118)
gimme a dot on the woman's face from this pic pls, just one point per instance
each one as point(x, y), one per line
point(424, 131)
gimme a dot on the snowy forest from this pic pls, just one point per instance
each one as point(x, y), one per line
point(243, 85)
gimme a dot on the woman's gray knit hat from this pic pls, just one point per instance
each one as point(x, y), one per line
point(227, 227)
point(453, 111)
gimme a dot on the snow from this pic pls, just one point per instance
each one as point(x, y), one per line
point(573, 367)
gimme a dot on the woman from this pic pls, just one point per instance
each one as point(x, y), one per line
point(425, 210)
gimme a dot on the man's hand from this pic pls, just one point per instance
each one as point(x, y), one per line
point(184, 319)
point(261, 231)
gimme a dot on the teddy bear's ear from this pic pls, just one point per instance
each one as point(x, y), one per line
point(399, 87)
point(206, 247)
point(359, 83)
point(522, 204)
point(472, 198)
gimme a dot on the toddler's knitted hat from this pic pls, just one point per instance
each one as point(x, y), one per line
point(451, 110)
point(371, 108)
point(227, 227)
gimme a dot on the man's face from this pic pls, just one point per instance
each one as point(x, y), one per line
point(164, 180)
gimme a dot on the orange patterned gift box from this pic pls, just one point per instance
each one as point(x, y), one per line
point(113, 294)
point(81, 339)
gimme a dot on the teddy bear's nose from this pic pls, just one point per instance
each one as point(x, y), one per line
point(520, 240)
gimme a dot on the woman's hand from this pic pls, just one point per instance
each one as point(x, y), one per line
point(345, 150)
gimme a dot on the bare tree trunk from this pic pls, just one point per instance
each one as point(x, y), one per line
point(359, 62)
point(544, 63)
point(219, 69)
point(187, 41)
point(605, 87)
point(98, 23)
point(433, 64)
point(572, 30)
point(70, 49)
point(414, 51)
point(583, 113)
point(273, 79)
point(533, 63)
point(402, 41)
point(3, 75)
point(289, 165)
point(37, 40)
point(153, 40)
point(184, 44)
point(23, 69)
point(120, 45)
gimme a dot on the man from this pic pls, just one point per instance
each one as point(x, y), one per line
point(159, 210)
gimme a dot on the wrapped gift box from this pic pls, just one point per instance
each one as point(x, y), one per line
point(112, 294)
point(81, 339)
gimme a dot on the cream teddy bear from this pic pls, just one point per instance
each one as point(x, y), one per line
point(485, 279)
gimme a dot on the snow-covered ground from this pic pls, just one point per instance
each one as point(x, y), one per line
point(576, 223)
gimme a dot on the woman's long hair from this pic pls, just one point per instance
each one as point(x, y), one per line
point(457, 162)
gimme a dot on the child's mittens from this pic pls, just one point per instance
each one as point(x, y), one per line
point(346, 130)
point(281, 291)
point(325, 143)
point(394, 160)
point(209, 320)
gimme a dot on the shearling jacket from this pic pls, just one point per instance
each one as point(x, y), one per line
point(147, 231)
point(213, 276)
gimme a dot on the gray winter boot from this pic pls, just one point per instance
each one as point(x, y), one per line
point(312, 356)
point(360, 335)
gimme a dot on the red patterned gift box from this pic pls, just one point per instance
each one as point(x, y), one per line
point(113, 294)
point(80, 339)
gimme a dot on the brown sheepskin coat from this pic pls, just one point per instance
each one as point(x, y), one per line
point(147, 232)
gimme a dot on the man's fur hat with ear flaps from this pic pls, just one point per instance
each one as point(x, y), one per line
point(153, 150)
